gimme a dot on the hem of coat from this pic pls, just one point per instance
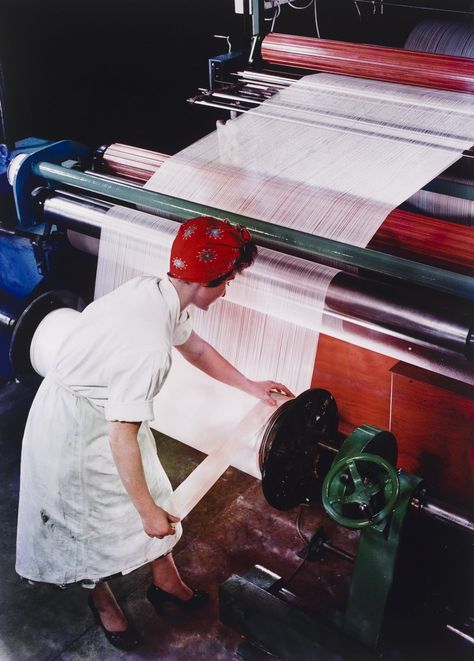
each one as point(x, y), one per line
point(90, 582)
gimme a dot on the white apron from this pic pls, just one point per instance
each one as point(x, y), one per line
point(76, 521)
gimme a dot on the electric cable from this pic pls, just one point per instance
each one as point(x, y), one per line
point(316, 20)
point(298, 525)
point(284, 582)
point(276, 14)
point(290, 3)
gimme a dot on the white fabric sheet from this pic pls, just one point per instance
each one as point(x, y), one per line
point(330, 156)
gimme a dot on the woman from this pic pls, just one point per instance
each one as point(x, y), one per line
point(91, 481)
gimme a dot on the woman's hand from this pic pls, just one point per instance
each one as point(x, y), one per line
point(158, 523)
point(263, 389)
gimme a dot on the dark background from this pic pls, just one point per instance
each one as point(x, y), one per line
point(121, 70)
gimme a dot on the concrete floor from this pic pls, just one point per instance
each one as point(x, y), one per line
point(232, 529)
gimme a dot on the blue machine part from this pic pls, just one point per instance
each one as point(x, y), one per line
point(24, 259)
point(25, 181)
point(221, 65)
point(4, 158)
point(19, 278)
point(26, 146)
point(19, 272)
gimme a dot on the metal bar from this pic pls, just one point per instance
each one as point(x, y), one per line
point(452, 188)
point(461, 634)
point(274, 80)
point(89, 215)
point(85, 217)
point(438, 185)
point(336, 121)
point(6, 319)
point(436, 510)
point(198, 101)
point(257, 17)
point(337, 551)
point(269, 235)
point(234, 97)
point(111, 177)
point(441, 321)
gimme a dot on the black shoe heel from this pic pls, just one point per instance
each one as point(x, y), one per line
point(158, 597)
point(123, 640)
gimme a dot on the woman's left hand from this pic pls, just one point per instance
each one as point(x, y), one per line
point(263, 389)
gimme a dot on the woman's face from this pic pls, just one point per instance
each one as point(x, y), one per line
point(206, 296)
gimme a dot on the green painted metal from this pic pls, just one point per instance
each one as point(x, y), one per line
point(353, 485)
point(269, 235)
point(26, 180)
point(374, 570)
point(363, 474)
point(367, 438)
point(361, 487)
point(452, 188)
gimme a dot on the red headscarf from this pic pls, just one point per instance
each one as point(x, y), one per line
point(205, 249)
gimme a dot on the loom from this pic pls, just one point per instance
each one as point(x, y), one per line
point(405, 303)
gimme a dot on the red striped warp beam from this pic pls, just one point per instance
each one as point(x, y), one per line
point(405, 234)
point(131, 162)
point(432, 241)
point(394, 65)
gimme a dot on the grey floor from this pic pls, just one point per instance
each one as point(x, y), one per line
point(232, 529)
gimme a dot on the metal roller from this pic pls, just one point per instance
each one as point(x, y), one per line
point(439, 320)
point(375, 62)
point(442, 321)
point(276, 237)
point(129, 162)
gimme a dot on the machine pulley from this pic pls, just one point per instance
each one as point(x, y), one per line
point(360, 491)
point(291, 459)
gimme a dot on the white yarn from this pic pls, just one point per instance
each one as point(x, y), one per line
point(331, 156)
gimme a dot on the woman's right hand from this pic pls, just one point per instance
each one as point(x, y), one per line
point(159, 523)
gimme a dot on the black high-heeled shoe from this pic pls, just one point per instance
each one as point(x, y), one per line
point(158, 597)
point(123, 640)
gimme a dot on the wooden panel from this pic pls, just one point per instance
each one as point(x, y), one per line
point(432, 417)
point(359, 380)
point(376, 62)
point(433, 421)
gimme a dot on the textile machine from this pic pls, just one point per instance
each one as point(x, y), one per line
point(405, 302)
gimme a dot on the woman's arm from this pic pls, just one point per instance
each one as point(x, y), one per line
point(201, 354)
point(127, 458)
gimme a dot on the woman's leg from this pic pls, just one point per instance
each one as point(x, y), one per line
point(110, 613)
point(166, 576)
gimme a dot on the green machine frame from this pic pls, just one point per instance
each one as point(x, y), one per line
point(361, 490)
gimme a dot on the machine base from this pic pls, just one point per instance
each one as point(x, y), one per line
point(279, 628)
